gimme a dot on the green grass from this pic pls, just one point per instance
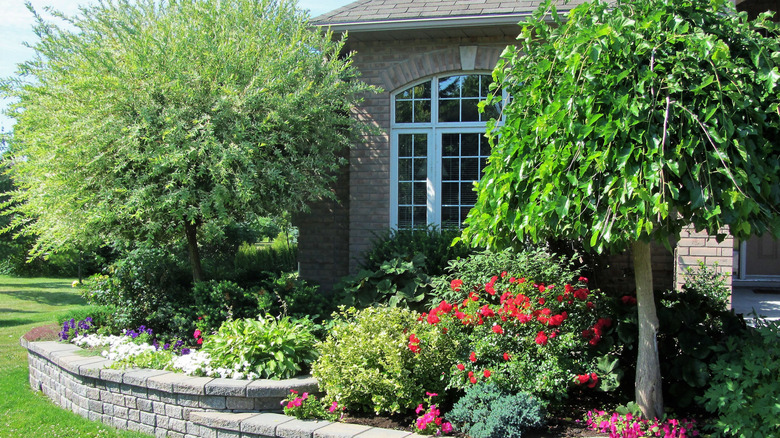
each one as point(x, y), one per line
point(26, 303)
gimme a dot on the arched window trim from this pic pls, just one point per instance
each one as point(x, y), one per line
point(433, 132)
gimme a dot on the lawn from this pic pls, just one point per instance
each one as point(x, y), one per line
point(26, 303)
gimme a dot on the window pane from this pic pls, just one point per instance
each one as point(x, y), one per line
point(405, 193)
point(469, 110)
point(422, 91)
point(464, 211)
point(420, 169)
point(469, 146)
point(449, 110)
point(467, 194)
point(405, 145)
point(450, 86)
point(404, 217)
point(420, 216)
point(403, 111)
point(485, 86)
point(420, 193)
point(405, 169)
point(482, 165)
point(491, 112)
point(450, 145)
point(470, 86)
point(449, 193)
point(449, 216)
point(420, 145)
point(422, 111)
point(484, 146)
point(450, 169)
point(469, 169)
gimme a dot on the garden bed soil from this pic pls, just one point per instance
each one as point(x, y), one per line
point(49, 332)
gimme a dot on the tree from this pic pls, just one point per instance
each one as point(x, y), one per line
point(144, 120)
point(627, 123)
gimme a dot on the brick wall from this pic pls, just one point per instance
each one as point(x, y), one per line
point(699, 246)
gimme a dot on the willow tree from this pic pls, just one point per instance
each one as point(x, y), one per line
point(628, 122)
point(144, 120)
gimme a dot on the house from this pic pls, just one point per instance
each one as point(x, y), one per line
point(433, 60)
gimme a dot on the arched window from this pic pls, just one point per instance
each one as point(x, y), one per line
point(438, 149)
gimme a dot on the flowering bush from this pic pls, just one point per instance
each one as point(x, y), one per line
point(632, 425)
point(72, 329)
point(307, 406)
point(431, 421)
point(524, 336)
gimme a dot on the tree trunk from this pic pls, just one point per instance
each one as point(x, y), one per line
point(648, 369)
point(191, 230)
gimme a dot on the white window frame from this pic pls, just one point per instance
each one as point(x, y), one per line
point(434, 130)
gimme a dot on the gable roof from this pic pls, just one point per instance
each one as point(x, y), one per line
point(377, 15)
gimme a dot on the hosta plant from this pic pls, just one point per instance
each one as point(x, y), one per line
point(269, 347)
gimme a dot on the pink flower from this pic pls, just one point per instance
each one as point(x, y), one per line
point(446, 427)
point(196, 334)
point(333, 407)
point(431, 394)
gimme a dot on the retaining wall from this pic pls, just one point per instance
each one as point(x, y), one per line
point(167, 404)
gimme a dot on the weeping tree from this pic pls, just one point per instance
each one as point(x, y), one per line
point(627, 123)
point(142, 121)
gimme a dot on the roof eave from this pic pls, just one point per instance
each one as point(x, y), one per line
point(426, 23)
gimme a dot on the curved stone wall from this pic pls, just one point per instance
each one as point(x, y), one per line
point(163, 403)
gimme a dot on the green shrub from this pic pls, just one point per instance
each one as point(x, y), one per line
point(102, 316)
point(709, 284)
point(745, 385)
point(434, 243)
point(487, 412)
point(218, 301)
point(691, 323)
point(296, 297)
point(535, 263)
point(366, 363)
point(255, 262)
point(269, 347)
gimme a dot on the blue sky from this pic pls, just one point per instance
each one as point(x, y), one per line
point(16, 28)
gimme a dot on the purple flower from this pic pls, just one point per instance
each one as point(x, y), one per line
point(185, 351)
point(166, 346)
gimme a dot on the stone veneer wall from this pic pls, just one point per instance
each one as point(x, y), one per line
point(157, 402)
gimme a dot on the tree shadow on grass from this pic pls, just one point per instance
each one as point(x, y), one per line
point(4, 310)
point(48, 298)
point(36, 285)
point(5, 323)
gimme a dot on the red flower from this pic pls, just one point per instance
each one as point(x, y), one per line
point(473, 296)
point(521, 280)
point(456, 284)
point(503, 274)
point(594, 379)
point(581, 294)
point(433, 319)
point(461, 367)
point(473, 379)
point(587, 333)
point(559, 298)
point(541, 301)
point(497, 329)
point(471, 373)
point(200, 341)
point(196, 334)
point(413, 338)
point(512, 280)
point(414, 348)
point(628, 300)
point(568, 288)
point(507, 356)
point(473, 356)
point(582, 379)
point(486, 373)
point(542, 288)
point(541, 338)
point(590, 305)
point(556, 320)
point(490, 289)
point(583, 279)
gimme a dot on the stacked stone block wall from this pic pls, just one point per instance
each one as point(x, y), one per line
point(155, 402)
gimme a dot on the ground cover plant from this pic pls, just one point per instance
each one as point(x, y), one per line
point(29, 303)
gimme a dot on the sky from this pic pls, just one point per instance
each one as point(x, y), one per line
point(16, 28)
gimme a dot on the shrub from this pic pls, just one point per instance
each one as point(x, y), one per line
point(254, 263)
point(524, 336)
point(535, 263)
point(485, 411)
point(269, 347)
point(434, 243)
point(691, 323)
point(366, 363)
point(296, 297)
point(218, 301)
point(745, 383)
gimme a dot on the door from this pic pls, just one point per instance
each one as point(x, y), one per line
point(762, 257)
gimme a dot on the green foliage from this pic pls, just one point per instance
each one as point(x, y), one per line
point(140, 121)
point(298, 298)
point(270, 347)
point(745, 384)
point(631, 121)
point(397, 282)
point(218, 301)
point(434, 243)
point(397, 270)
point(366, 365)
point(532, 262)
point(710, 284)
point(692, 323)
point(102, 316)
point(253, 263)
point(485, 411)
